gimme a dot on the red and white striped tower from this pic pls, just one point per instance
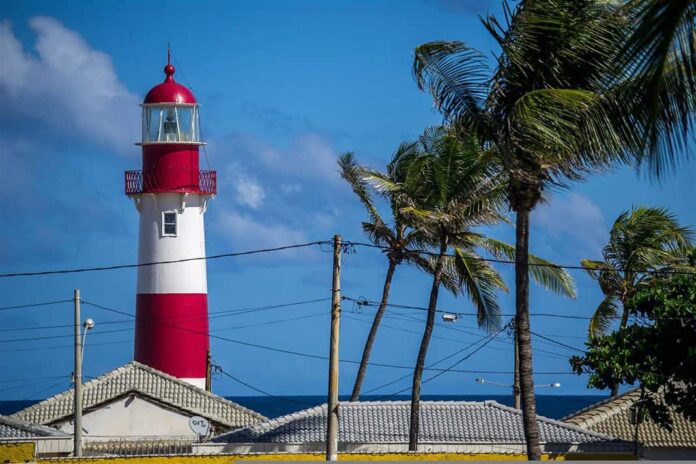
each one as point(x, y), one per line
point(171, 194)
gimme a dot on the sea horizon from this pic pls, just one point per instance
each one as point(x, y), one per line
point(551, 406)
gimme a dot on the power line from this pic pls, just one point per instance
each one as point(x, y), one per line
point(469, 355)
point(258, 390)
point(550, 265)
point(154, 263)
point(34, 305)
point(364, 302)
point(33, 379)
point(265, 347)
point(429, 366)
point(221, 314)
point(60, 347)
point(557, 342)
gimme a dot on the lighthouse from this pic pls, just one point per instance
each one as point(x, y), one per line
point(171, 195)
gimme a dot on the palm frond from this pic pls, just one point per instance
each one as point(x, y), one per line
point(426, 263)
point(545, 273)
point(353, 174)
point(663, 42)
point(481, 282)
point(603, 317)
point(456, 77)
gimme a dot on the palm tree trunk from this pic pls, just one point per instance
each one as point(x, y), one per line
point(420, 363)
point(622, 324)
point(524, 339)
point(373, 331)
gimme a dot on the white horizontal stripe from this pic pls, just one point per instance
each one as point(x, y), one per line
point(200, 383)
point(185, 277)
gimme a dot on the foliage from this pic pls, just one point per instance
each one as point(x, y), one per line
point(657, 351)
point(641, 241)
point(660, 52)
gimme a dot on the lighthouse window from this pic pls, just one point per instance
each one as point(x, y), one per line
point(170, 123)
point(169, 224)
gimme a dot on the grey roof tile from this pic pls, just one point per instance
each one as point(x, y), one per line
point(611, 416)
point(136, 377)
point(458, 422)
point(15, 428)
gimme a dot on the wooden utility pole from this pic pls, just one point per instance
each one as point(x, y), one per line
point(332, 413)
point(516, 374)
point(208, 372)
point(77, 426)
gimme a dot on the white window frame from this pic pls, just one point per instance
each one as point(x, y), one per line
point(164, 224)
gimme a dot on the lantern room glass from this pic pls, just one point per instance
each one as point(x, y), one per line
point(171, 123)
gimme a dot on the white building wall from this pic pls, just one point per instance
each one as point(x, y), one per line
point(153, 246)
point(131, 416)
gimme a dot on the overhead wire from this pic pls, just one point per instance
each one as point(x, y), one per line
point(536, 264)
point(258, 390)
point(155, 263)
point(271, 348)
point(467, 356)
point(34, 305)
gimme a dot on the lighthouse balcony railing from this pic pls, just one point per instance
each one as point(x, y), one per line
point(139, 182)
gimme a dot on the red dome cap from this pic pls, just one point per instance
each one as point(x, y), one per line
point(169, 91)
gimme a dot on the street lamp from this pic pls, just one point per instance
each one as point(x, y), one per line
point(497, 384)
point(80, 338)
point(552, 385)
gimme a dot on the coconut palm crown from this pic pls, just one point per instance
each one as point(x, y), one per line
point(642, 242)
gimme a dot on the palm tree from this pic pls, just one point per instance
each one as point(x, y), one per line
point(642, 241)
point(549, 112)
point(449, 188)
point(394, 239)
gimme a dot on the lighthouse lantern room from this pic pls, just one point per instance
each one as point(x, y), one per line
point(171, 194)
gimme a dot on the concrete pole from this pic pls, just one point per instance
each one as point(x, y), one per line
point(77, 449)
point(332, 413)
point(516, 374)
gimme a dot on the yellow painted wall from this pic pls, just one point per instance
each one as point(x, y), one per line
point(229, 459)
point(16, 452)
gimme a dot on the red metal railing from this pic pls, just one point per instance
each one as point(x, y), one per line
point(138, 182)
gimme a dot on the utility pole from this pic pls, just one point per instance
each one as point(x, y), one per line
point(77, 450)
point(332, 413)
point(516, 380)
point(209, 372)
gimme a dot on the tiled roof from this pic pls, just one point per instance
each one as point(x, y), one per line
point(455, 422)
point(14, 428)
point(142, 379)
point(611, 416)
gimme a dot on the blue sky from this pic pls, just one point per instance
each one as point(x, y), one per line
point(285, 87)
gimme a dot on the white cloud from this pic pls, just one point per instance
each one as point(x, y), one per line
point(67, 85)
point(249, 192)
point(575, 219)
point(244, 231)
point(309, 157)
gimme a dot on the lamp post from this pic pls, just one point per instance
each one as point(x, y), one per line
point(80, 337)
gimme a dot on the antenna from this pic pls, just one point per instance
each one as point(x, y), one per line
point(169, 54)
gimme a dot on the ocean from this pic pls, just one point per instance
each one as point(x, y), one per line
point(552, 406)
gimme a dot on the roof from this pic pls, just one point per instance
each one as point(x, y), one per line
point(139, 378)
point(169, 91)
point(611, 416)
point(15, 428)
point(451, 422)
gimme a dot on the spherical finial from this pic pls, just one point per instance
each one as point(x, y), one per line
point(169, 71)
